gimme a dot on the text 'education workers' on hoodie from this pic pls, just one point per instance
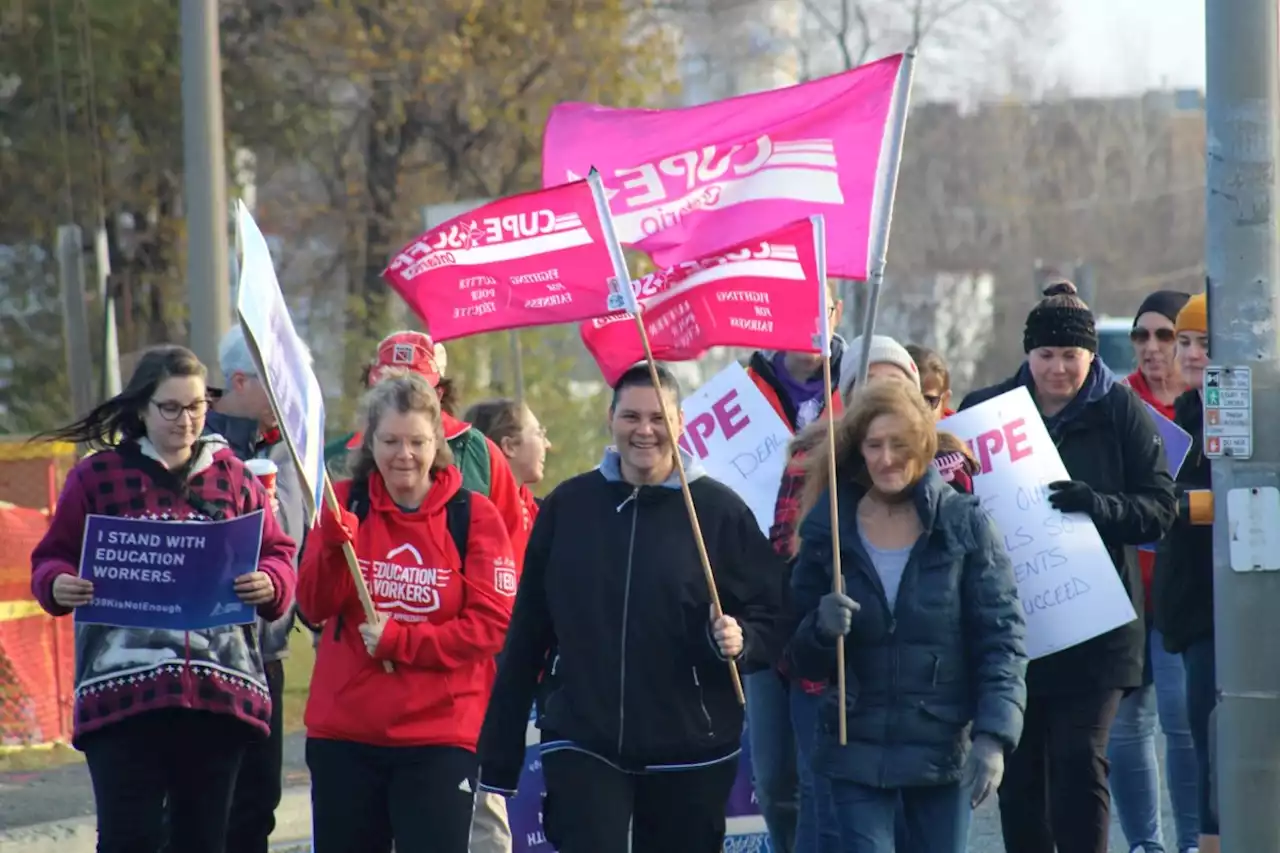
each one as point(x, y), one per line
point(445, 621)
point(614, 585)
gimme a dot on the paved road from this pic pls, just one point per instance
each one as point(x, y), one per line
point(65, 792)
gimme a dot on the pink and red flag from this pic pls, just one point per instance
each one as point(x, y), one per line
point(534, 259)
point(766, 293)
point(682, 183)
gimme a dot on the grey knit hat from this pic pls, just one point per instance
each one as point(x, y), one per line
point(884, 350)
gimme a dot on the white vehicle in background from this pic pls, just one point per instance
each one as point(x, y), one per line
point(1113, 345)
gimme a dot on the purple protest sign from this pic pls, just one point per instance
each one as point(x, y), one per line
point(746, 833)
point(176, 575)
point(1177, 444)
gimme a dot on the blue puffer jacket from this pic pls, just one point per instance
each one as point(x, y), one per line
point(949, 662)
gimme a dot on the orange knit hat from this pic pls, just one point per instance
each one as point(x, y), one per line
point(1194, 316)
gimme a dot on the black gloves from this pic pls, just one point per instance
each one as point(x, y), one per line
point(1072, 496)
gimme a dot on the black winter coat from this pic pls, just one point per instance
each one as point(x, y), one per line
point(950, 656)
point(1112, 445)
point(613, 615)
point(1182, 586)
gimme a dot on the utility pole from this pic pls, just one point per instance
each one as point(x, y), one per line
point(75, 322)
point(204, 182)
point(1243, 259)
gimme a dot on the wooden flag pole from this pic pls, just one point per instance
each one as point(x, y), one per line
point(357, 577)
point(837, 573)
point(688, 499)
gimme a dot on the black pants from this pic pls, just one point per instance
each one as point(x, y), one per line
point(258, 787)
point(189, 758)
point(1055, 788)
point(590, 806)
point(1202, 697)
point(364, 797)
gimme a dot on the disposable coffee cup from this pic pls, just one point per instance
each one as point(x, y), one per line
point(265, 470)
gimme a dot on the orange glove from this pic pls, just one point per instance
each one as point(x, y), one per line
point(1197, 507)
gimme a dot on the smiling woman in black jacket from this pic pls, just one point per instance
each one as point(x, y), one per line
point(1120, 479)
point(641, 729)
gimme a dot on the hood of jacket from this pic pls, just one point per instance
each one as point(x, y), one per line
point(1097, 384)
point(205, 450)
point(444, 485)
point(611, 467)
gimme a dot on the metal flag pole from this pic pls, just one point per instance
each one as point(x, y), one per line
point(882, 207)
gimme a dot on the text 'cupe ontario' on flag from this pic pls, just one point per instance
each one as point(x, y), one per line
point(766, 293)
point(534, 259)
point(683, 182)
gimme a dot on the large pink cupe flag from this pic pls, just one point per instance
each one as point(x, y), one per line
point(682, 183)
point(766, 293)
point(528, 260)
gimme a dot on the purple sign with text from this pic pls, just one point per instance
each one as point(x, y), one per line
point(1177, 444)
point(746, 833)
point(177, 575)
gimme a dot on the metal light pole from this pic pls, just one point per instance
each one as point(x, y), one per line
point(205, 182)
point(1244, 289)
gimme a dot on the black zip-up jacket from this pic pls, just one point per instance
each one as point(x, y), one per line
point(1182, 587)
point(613, 583)
point(1110, 443)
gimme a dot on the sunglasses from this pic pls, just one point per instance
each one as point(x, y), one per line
point(1141, 335)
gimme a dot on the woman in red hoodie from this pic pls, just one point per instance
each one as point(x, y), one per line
point(392, 754)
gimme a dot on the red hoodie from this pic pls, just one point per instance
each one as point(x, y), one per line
point(1147, 558)
point(446, 622)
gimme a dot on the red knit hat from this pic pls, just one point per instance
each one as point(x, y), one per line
point(412, 351)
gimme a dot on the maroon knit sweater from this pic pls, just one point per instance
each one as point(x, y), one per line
point(121, 672)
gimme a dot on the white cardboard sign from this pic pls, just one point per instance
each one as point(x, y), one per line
point(1068, 586)
point(738, 438)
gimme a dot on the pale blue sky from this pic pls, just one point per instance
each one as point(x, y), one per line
point(1111, 46)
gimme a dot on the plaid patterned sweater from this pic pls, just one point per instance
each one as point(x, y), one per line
point(121, 672)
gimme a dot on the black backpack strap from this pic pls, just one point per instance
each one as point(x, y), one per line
point(458, 516)
point(358, 499)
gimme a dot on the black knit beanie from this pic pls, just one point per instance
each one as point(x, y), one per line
point(1060, 319)
point(1166, 303)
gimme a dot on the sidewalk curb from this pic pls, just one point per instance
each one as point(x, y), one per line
point(79, 834)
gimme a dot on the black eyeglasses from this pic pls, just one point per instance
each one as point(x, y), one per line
point(171, 410)
point(1140, 335)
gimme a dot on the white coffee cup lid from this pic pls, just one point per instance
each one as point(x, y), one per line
point(262, 467)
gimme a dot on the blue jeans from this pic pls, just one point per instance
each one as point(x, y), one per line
point(773, 755)
point(1135, 770)
point(1202, 696)
point(817, 830)
point(937, 817)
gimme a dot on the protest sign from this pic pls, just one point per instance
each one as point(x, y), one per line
point(283, 360)
point(746, 829)
point(739, 439)
point(1176, 440)
point(176, 575)
point(533, 259)
point(684, 182)
point(766, 293)
point(1069, 588)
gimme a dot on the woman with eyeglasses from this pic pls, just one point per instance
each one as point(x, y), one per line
point(1135, 769)
point(512, 426)
point(162, 715)
point(935, 380)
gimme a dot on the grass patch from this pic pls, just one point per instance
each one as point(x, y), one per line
point(297, 678)
point(29, 759)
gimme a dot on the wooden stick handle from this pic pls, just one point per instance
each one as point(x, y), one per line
point(688, 502)
point(837, 573)
point(353, 564)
